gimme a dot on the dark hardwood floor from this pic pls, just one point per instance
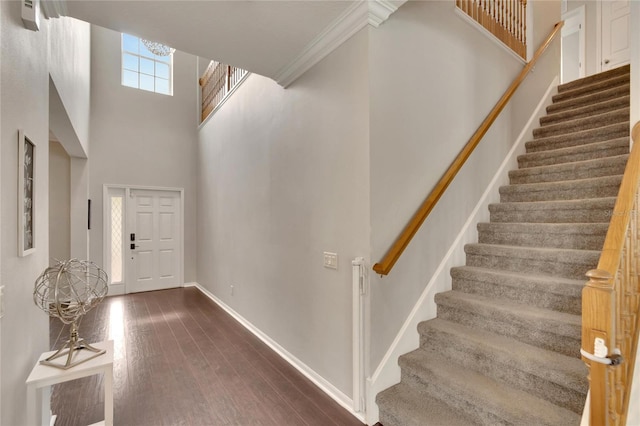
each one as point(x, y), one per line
point(181, 360)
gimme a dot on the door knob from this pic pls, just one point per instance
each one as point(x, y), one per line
point(606, 61)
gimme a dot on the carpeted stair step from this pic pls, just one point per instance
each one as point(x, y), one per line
point(599, 187)
point(485, 400)
point(558, 294)
point(594, 210)
point(543, 328)
point(590, 98)
point(595, 78)
point(586, 111)
point(592, 79)
point(585, 123)
point(587, 89)
point(585, 137)
point(401, 405)
point(566, 263)
point(591, 151)
point(607, 166)
point(578, 236)
point(549, 375)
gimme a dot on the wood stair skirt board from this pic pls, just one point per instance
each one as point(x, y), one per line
point(504, 347)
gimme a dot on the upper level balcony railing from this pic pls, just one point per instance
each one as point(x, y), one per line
point(216, 84)
point(505, 19)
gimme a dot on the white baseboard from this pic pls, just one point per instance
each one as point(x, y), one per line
point(116, 289)
point(336, 394)
point(388, 372)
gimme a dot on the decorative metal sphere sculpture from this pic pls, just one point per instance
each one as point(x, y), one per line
point(67, 291)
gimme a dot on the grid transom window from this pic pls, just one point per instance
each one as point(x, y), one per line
point(142, 69)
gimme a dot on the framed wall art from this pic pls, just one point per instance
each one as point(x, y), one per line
point(26, 192)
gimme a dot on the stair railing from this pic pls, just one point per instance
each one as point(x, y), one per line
point(391, 257)
point(216, 83)
point(610, 302)
point(505, 19)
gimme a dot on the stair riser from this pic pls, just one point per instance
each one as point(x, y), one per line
point(600, 134)
point(599, 168)
point(509, 194)
point(589, 99)
point(537, 334)
point(523, 294)
point(593, 88)
point(500, 367)
point(432, 386)
point(550, 240)
point(582, 124)
point(573, 270)
point(557, 216)
point(586, 111)
point(595, 152)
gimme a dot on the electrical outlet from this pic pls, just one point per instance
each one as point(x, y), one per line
point(330, 260)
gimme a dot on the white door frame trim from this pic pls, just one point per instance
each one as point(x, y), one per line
point(598, 37)
point(118, 289)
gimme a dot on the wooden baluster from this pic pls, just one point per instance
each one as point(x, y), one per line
point(598, 306)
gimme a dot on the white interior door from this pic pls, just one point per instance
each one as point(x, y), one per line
point(615, 17)
point(573, 46)
point(155, 240)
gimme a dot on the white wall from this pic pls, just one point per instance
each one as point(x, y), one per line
point(141, 138)
point(282, 177)
point(427, 99)
point(70, 70)
point(24, 105)
point(59, 203)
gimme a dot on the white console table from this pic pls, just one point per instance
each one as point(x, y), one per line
point(43, 375)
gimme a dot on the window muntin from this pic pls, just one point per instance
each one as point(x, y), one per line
point(144, 70)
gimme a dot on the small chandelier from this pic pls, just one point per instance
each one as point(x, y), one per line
point(158, 48)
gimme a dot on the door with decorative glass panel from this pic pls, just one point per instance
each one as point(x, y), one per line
point(143, 239)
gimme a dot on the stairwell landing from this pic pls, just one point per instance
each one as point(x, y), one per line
point(505, 345)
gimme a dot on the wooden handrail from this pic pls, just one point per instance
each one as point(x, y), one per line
point(401, 243)
point(611, 301)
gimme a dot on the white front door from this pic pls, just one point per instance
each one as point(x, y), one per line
point(616, 17)
point(155, 240)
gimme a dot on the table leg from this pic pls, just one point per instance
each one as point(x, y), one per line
point(108, 396)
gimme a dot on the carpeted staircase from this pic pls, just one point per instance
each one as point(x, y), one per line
point(505, 346)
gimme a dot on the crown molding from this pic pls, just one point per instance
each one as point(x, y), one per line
point(352, 20)
point(380, 10)
point(54, 8)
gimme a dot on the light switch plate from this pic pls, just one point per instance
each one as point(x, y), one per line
point(330, 260)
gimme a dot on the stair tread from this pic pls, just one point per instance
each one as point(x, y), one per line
point(603, 202)
point(553, 228)
point(561, 185)
point(593, 163)
point(583, 137)
point(524, 252)
point(613, 81)
point(559, 285)
point(623, 101)
point(566, 154)
point(583, 123)
point(564, 324)
point(624, 69)
point(506, 403)
point(552, 366)
point(411, 408)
